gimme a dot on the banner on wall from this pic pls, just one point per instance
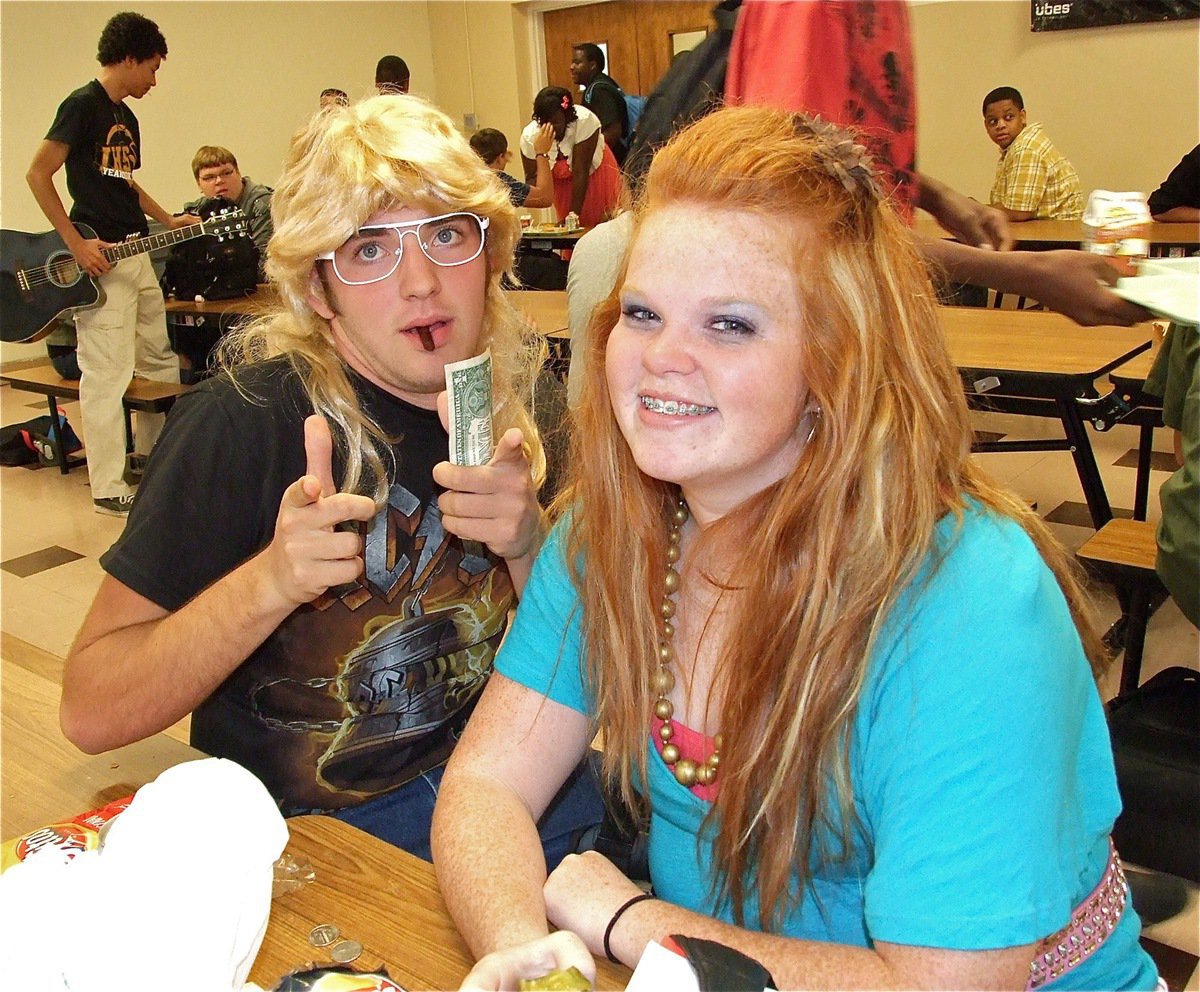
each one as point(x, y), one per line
point(1057, 15)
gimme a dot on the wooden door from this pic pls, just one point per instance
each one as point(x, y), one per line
point(637, 35)
point(657, 23)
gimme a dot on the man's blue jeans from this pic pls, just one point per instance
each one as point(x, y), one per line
point(403, 817)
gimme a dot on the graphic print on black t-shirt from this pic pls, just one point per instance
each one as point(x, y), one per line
point(400, 655)
point(104, 141)
point(117, 156)
point(369, 685)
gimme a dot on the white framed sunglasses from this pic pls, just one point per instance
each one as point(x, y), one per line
point(373, 253)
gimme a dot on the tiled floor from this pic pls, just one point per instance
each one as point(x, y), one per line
point(50, 542)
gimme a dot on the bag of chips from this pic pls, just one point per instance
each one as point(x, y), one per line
point(1116, 225)
point(71, 836)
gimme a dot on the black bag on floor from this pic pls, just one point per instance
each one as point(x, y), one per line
point(540, 268)
point(1156, 744)
point(13, 449)
point(29, 442)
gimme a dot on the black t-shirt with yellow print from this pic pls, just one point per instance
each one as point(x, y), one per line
point(105, 143)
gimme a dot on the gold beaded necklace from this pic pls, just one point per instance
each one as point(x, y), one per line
point(687, 773)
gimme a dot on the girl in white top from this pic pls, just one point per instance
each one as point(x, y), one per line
point(587, 180)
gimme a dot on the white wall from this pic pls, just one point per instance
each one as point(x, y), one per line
point(243, 75)
point(482, 67)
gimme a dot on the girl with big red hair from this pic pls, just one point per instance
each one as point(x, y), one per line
point(849, 679)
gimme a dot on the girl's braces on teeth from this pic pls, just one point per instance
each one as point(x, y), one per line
point(674, 407)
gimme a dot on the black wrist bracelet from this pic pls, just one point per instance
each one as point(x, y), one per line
point(616, 916)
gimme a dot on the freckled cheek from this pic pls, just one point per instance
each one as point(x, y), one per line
point(611, 382)
point(621, 364)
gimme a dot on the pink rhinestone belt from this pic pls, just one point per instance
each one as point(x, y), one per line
point(1091, 923)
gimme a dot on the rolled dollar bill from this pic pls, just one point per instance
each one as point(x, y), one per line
point(469, 399)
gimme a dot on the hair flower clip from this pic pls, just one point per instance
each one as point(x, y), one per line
point(840, 155)
point(566, 101)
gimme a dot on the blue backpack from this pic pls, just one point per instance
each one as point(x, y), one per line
point(634, 105)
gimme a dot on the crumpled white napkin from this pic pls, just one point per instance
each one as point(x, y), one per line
point(178, 897)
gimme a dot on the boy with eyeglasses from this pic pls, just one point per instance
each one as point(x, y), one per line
point(218, 177)
point(304, 572)
point(226, 269)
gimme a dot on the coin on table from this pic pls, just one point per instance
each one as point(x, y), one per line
point(345, 951)
point(323, 935)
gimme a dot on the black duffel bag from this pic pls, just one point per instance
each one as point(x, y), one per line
point(1156, 744)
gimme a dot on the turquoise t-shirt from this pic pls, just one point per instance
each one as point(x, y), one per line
point(981, 763)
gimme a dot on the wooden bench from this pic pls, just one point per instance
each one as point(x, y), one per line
point(144, 395)
point(1123, 552)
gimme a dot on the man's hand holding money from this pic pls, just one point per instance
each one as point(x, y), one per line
point(495, 504)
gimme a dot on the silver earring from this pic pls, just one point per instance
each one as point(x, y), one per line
point(815, 414)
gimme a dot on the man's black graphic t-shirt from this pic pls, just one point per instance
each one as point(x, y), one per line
point(366, 687)
point(105, 143)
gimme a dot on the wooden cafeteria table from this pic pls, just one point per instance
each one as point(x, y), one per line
point(1044, 362)
point(374, 893)
point(557, 238)
point(546, 308)
point(1037, 359)
point(196, 313)
point(44, 778)
point(1040, 362)
point(239, 306)
point(1040, 235)
point(382, 897)
point(1036, 235)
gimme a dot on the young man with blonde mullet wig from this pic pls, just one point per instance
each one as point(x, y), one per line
point(303, 570)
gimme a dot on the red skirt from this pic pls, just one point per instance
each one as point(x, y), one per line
point(603, 192)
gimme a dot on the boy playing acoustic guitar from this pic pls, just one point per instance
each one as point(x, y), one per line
point(96, 136)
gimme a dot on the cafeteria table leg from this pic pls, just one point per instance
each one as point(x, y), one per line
point(1085, 461)
point(128, 431)
point(1139, 595)
point(1141, 490)
point(56, 436)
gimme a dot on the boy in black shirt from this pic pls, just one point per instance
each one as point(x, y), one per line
point(96, 136)
point(602, 95)
point(1177, 200)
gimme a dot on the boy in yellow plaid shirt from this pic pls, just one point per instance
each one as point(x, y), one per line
point(1033, 179)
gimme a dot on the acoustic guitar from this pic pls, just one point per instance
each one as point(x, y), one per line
point(40, 280)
